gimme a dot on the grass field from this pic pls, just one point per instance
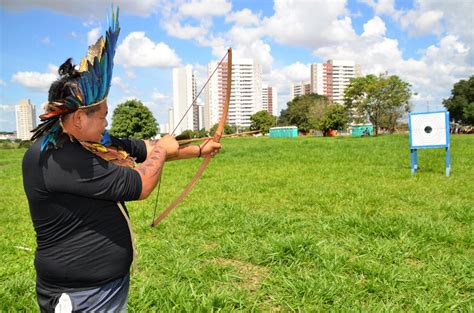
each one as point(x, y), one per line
point(306, 224)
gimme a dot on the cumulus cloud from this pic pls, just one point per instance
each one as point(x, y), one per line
point(7, 108)
point(93, 35)
point(244, 17)
point(383, 7)
point(137, 50)
point(86, 8)
point(118, 82)
point(174, 28)
point(374, 27)
point(302, 23)
point(204, 8)
point(422, 23)
point(34, 80)
point(157, 96)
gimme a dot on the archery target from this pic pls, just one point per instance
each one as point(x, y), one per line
point(428, 129)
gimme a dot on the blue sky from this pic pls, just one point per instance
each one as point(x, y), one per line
point(429, 44)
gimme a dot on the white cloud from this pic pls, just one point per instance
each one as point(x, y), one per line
point(34, 80)
point(157, 96)
point(53, 69)
point(7, 108)
point(2, 83)
point(174, 28)
point(303, 23)
point(117, 82)
point(422, 23)
point(137, 50)
point(96, 8)
point(382, 7)
point(205, 8)
point(283, 77)
point(244, 17)
point(45, 40)
point(374, 27)
point(93, 35)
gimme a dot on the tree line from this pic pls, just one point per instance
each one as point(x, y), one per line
point(381, 100)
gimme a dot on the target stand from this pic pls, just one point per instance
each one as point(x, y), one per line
point(429, 130)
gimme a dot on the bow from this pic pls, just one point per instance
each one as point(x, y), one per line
point(216, 138)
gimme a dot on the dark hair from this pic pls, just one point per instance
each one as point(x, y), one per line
point(67, 85)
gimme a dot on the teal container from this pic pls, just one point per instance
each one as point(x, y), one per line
point(285, 131)
point(362, 130)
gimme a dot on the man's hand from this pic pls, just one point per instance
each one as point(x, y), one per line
point(170, 145)
point(210, 148)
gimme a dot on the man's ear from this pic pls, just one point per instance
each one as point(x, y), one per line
point(78, 119)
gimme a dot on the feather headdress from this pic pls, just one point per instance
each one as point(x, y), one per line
point(92, 80)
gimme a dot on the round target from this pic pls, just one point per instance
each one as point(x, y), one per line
point(428, 129)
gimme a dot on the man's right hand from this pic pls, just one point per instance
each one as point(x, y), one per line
point(170, 145)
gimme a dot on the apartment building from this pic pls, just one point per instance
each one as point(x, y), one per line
point(269, 99)
point(299, 89)
point(246, 92)
point(331, 78)
point(184, 92)
point(25, 113)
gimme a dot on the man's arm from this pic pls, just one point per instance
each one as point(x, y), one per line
point(150, 170)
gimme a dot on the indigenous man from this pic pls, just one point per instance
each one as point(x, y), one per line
point(77, 177)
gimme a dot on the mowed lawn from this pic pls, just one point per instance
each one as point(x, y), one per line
point(305, 224)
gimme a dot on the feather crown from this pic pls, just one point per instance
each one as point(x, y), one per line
point(93, 82)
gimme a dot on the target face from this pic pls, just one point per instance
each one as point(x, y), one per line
point(429, 130)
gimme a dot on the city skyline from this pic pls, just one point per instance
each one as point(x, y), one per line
point(427, 44)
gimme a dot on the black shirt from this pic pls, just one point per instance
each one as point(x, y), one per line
point(83, 240)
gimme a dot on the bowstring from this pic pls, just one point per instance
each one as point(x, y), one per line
point(182, 118)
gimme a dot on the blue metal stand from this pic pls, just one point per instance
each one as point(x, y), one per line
point(448, 160)
point(414, 160)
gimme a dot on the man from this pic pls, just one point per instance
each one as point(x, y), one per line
point(77, 177)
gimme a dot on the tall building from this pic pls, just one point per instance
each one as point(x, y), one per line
point(269, 99)
point(25, 113)
point(331, 78)
point(299, 89)
point(184, 92)
point(246, 93)
point(170, 127)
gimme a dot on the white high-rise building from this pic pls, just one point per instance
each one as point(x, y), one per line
point(170, 121)
point(246, 93)
point(269, 99)
point(331, 78)
point(25, 113)
point(184, 92)
point(299, 89)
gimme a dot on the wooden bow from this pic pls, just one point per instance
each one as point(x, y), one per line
point(216, 138)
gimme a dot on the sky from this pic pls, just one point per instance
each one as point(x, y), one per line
point(427, 43)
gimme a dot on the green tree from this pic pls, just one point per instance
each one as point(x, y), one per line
point(227, 129)
point(461, 103)
point(304, 111)
point(133, 119)
point(334, 117)
point(378, 98)
point(262, 121)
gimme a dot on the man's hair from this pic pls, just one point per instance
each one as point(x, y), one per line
point(67, 85)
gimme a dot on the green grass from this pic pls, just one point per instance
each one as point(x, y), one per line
point(306, 224)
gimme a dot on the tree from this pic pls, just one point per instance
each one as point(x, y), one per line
point(461, 103)
point(304, 111)
point(227, 129)
point(133, 119)
point(262, 121)
point(334, 117)
point(381, 99)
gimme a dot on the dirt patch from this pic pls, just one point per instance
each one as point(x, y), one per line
point(251, 275)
